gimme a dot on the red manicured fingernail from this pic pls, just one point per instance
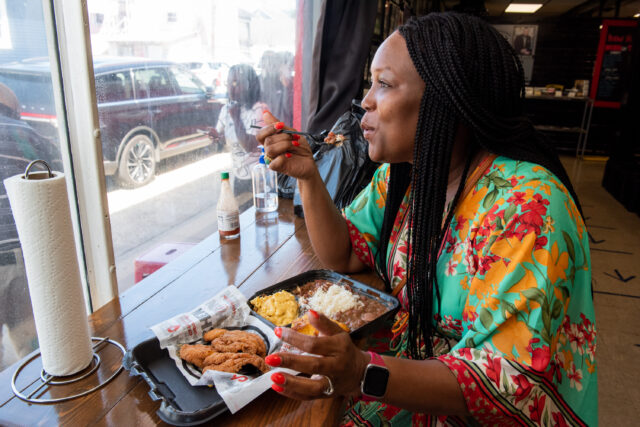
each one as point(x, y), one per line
point(314, 313)
point(279, 126)
point(295, 143)
point(273, 360)
point(277, 388)
point(266, 111)
point(295, 137)
point(277, 378)
point(288, 155)
point(278, 331)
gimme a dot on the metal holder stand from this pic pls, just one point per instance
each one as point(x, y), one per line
point(585, 126)
point(50, 379)
point(37, 175)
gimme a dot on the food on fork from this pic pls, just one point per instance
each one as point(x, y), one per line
point(333, 138)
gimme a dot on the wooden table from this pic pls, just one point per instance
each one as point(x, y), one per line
point(264, 254)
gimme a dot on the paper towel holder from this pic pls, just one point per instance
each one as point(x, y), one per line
point(47, 379)
point(28, 175)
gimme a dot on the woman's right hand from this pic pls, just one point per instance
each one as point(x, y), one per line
point(289, 155)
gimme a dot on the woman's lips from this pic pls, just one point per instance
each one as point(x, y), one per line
point(367, 131)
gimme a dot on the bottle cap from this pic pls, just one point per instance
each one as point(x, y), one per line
point(224, 175)
point(262, 162)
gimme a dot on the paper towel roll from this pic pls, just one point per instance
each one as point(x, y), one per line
point(41, 211)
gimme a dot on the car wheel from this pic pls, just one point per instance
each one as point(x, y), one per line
point(138, 162)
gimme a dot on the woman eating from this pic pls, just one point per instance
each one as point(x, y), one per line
point(473, 223)
point(234, 123)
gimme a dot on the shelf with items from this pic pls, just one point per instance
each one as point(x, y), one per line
point(549, 128)
point(564, 121)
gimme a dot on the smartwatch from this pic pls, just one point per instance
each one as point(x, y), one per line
point(375, 379)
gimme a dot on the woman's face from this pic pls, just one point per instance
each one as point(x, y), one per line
point(235, 86)
point(393, 103)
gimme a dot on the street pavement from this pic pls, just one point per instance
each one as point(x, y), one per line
point(178, 206)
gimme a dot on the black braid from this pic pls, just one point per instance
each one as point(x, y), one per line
point(399, 179)
point(472, 77)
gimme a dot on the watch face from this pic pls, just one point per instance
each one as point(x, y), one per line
point(375, 381)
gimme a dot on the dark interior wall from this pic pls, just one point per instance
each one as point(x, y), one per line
point(622, 173)
point(566, 51)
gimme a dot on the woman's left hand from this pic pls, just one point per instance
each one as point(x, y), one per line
point(338, 358)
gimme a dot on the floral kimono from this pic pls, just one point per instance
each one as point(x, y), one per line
point(516, 321)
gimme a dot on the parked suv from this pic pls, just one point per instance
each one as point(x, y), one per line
point(213, 74)
point(149, 110)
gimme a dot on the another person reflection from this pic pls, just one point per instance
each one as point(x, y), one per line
point(276, 82)
point(234, 124)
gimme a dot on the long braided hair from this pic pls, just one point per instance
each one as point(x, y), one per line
point(250, 93)
point(473, 77)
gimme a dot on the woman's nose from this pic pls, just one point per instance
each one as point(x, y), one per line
point(367, 102)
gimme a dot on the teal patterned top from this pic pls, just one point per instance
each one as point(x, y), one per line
point(516, 321)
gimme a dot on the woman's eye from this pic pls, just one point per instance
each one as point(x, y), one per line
point(382, 83)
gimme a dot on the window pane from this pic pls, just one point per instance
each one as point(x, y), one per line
point(153, 82)
point(200, 70)
point(114, 87)
point(187, 82)
point(28, 131)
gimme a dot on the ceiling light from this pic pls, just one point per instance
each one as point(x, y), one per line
point(637, 15)
point(523, 7)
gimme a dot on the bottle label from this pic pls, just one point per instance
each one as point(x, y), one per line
point(228, 221)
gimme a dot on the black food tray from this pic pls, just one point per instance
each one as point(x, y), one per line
point(182, 404)
point(385, 299)
point(185, 405)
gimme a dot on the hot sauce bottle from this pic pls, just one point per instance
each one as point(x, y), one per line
point(227, 210)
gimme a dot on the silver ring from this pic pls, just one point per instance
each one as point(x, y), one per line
point(329, 390)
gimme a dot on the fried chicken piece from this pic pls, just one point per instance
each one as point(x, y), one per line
point(214, 333)
point(196, 353)
point(233, 362)
point(224, 341)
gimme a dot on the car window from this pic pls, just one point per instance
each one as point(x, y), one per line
point(114, 87)
point(152, 83)
point(187, 82)
point(179, 75)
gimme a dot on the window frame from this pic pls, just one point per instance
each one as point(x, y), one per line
point(73, 80)
point(67, 28)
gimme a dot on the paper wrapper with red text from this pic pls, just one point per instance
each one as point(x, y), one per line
point(228, 309)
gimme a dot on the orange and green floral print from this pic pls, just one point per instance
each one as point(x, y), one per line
point(515, 306)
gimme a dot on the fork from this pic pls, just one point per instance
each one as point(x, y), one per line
point(316, 137)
